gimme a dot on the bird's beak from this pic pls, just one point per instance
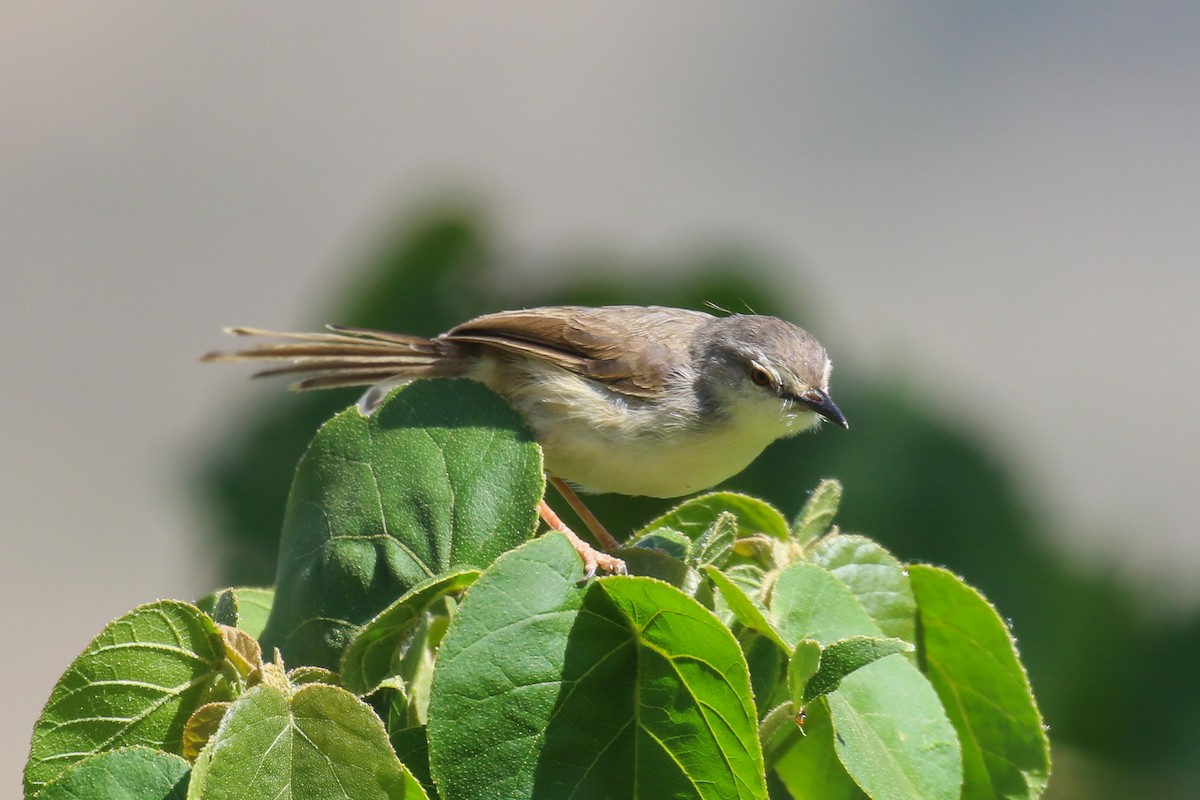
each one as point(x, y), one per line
point(820, 401)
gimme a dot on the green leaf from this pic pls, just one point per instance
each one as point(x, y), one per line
point(412, 747)
point(745, 609)
point(244, 607)
point(135, 684)
point(655, 563)
point(668, 540)
point(818, 512)
point(221, 606)
point(623, 687)
point(971, 659)
point(415, 675)
point(697, 515)
point(371, 657)
point(813, 671)
point(809, 765)
point(444, 475)
point(302, 675)
point(254, 608)
point(843, 657)
point(130, 773)
point(892, 735)
point(691, 705)
point(749, 578)
point(321, 742)
point(767, 663)
point(242, 653)
point(715, 546)
point(809, 603)
point(201, 726)
point(875, 577)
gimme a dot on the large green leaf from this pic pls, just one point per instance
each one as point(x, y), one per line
point(875, 577)
point(135, 684)
point(623, 687)
point(321, 742)
point(443, 476)
point(131, 773)
point(971, 659)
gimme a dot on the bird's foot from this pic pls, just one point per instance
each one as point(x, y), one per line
point(593, 559)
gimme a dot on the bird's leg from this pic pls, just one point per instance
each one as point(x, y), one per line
point(593, 559)
point(606, 539)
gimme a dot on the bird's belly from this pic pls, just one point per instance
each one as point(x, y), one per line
point(652, 466)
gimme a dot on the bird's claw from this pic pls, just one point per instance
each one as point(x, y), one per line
point(594, 560)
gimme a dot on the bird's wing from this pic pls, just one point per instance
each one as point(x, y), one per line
point(632, 349)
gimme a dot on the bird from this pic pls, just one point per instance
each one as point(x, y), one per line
point(634, 400)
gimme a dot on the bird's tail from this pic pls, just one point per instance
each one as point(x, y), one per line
point(348, 357)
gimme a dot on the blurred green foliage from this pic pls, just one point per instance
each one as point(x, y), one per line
point(1117, 687)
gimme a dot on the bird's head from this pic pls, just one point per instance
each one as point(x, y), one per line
point(765, 372)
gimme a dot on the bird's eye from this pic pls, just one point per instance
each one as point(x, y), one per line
point(760, 377)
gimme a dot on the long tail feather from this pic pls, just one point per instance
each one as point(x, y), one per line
point(335, 380)
point(347, 357)
point(382, 336)
point(346, 365)
point(298, 351)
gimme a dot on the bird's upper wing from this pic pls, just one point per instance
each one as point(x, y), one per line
point(632, 349)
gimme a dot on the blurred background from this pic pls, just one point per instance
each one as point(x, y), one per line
point(987, 213)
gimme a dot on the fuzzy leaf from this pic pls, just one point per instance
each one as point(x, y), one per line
point(876, 578)
point(745, 609)
point(370, 658)
point(135, 684)
point(443, 476)
point(802, 666)
point(620, 688)
point(844, 657)
point(244, 607)
point(971, 659)
point(668, 540)
point(130, 773)
point(807, 602)
point(696, 515)
point(715, 546)
point(809, 765)
point(892, 735)
point(818, 512)
point(321, 742)
point(201, 726)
